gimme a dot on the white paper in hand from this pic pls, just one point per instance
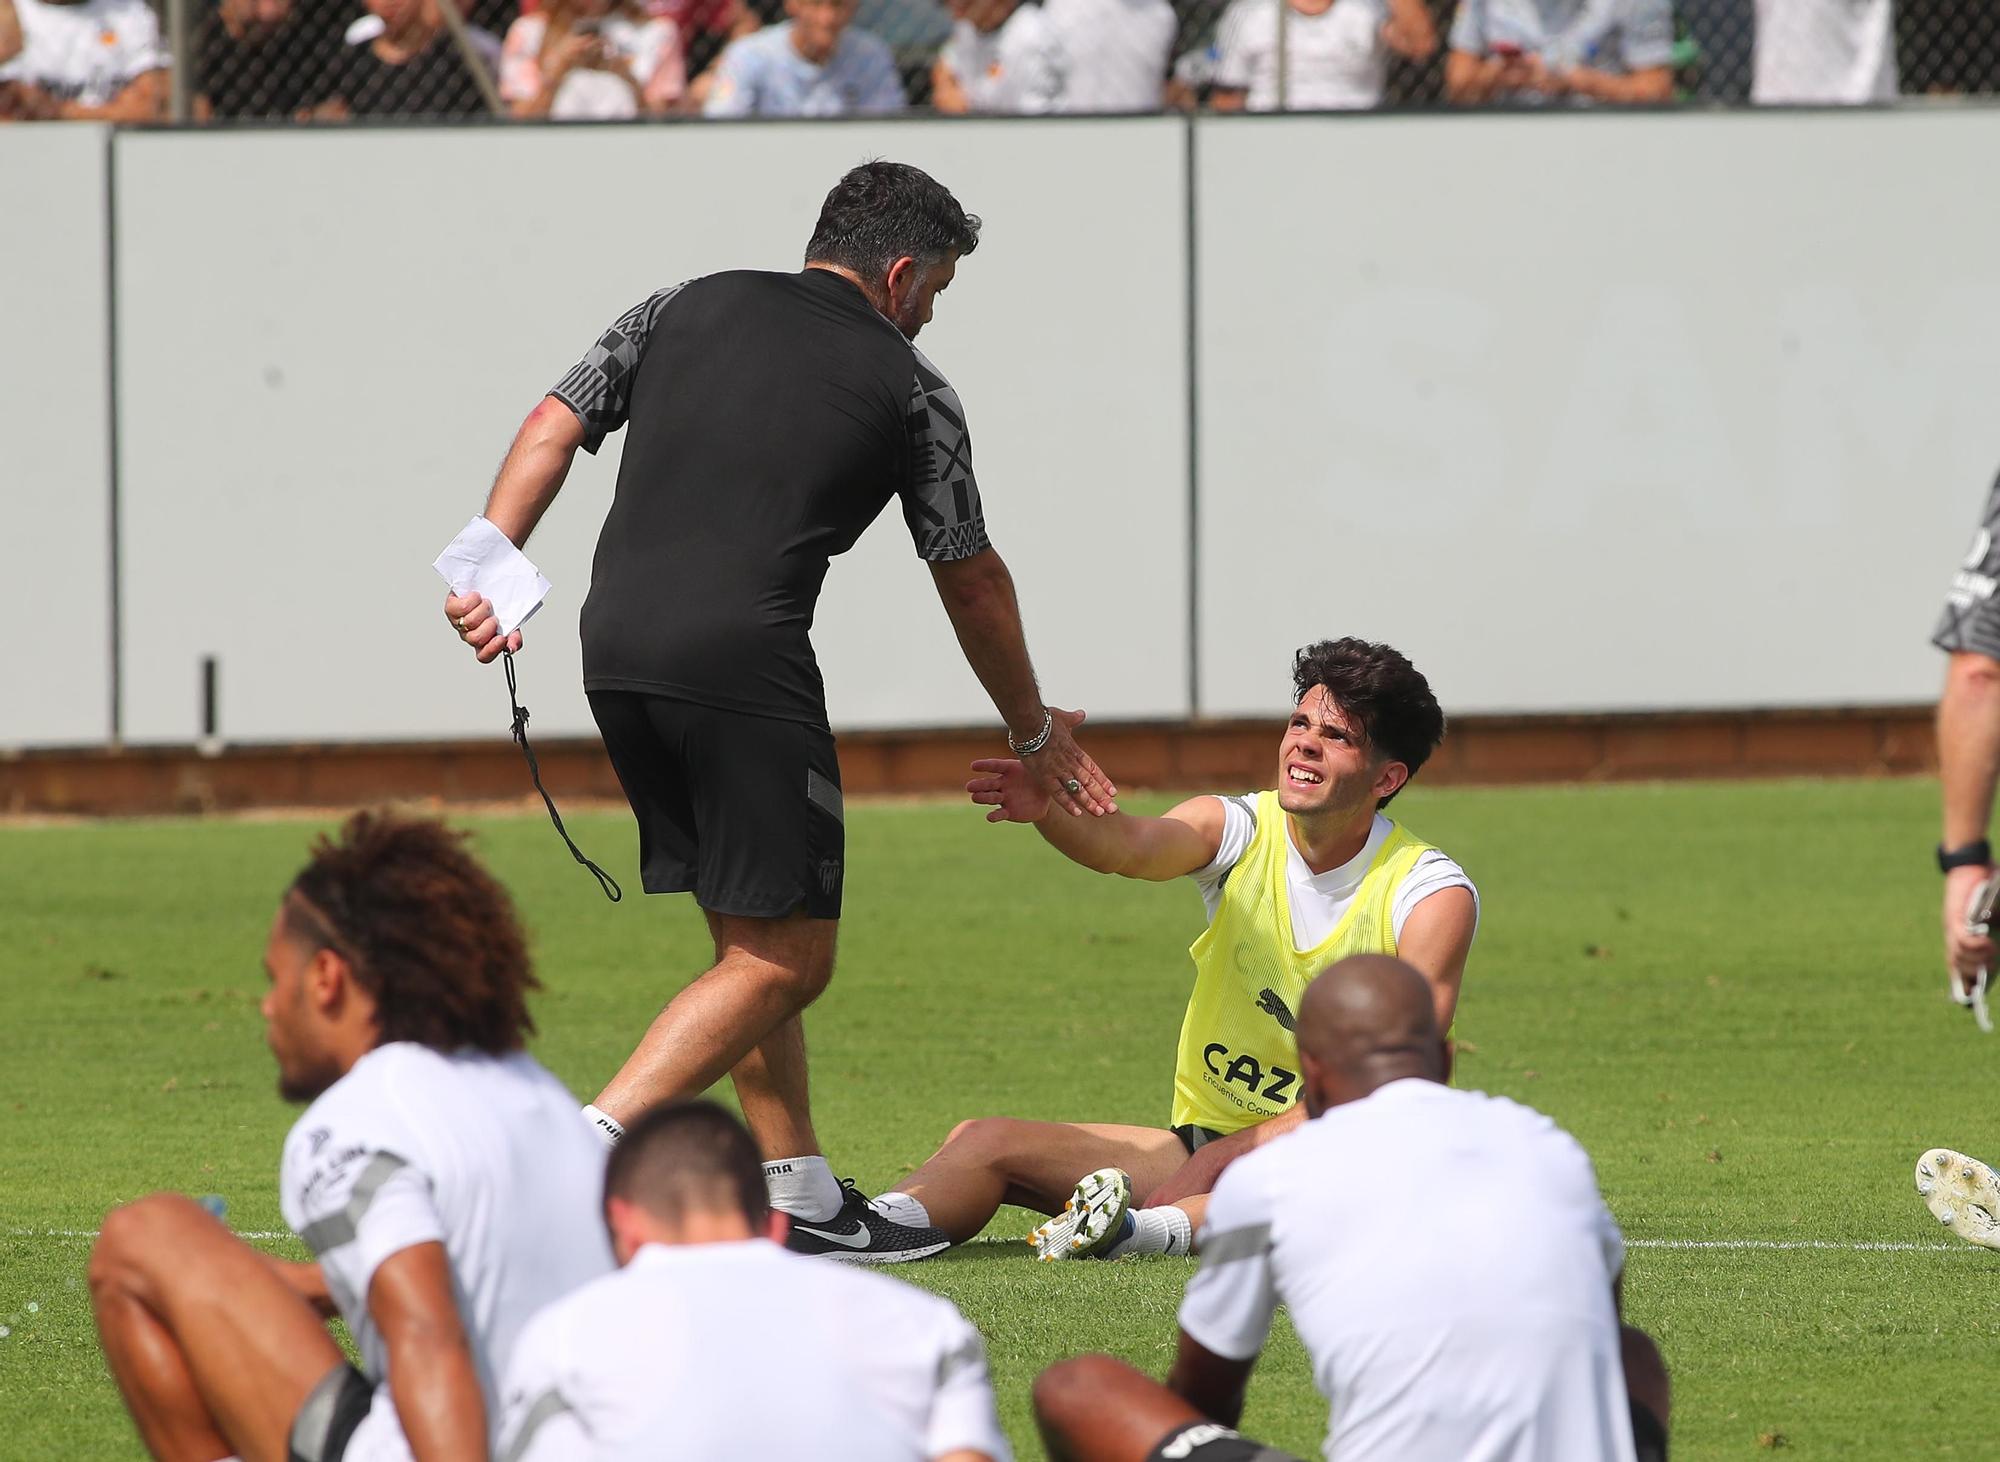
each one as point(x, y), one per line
point(483, 560)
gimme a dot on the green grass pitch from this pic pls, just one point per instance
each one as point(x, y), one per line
point(1730, 993)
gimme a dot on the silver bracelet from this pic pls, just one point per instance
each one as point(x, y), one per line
point(1036, 742)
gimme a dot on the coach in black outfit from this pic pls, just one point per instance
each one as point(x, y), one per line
point(772, 417)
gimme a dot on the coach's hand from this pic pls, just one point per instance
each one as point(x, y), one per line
point(472, 616)
point(1967, 954)
point(1068, 776)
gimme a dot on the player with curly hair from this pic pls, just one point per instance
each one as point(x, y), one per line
point(439, 1178)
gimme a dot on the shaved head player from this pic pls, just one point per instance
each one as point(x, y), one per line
point(771, 418)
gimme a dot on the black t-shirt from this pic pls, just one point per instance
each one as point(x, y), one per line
point(432, 83)
point(773, 417)
point(273, 77)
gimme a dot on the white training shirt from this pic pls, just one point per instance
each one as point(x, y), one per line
point(86, 53)
point(484, 1153)
point(1448, 1265)
point(1320, 900)
point(746, 1350)
point(1816, 51)
point(1118, 52)
point(1016, 68)
point(1333, 61)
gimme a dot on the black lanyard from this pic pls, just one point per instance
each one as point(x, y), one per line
point(604, 880)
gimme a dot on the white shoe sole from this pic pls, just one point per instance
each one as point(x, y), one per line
point(1089, 1221)
point(1962, 1193)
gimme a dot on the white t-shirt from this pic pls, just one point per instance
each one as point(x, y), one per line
point(1017, 68)
point(746, 1350)
point(587, 93)
point(1118, 52)
point(1841, 51)
point(484, 1153)
point(1320, 900)
point(86, 53)
point(1448, 1264)
point(1334, 60)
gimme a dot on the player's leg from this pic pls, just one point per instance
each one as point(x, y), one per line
point(212, 1351)
point(1093, 1408)
point(1650, 1391)
point(997, 1160)
point(774, 1094)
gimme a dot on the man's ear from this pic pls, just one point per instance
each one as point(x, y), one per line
point(1390, 779)
point(777, 1224)
point(901, 278)
point(328, 979)
point(621, 1221)
point(1447, 1054)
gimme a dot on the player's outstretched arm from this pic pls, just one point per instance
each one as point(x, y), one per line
point(431, 1371)
point(528, 482)
point(978, 597)
point(1156, 849)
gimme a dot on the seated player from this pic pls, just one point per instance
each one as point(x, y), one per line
point(440, 1178)
point(1444, 1255)
point(1293, 878)
point(714, 1341)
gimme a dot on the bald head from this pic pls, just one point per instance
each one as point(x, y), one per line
point(1366, 1021)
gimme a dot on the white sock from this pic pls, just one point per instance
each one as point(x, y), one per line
point(804, 1187)
point(902, 1208)
point(1155, 1231)
point(607, 1127)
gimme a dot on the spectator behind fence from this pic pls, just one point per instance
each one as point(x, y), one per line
point(409, 68)
point(1820, 51)
point(1336, 52)
point(814, 64)
point(592, 59)
point(1002, 57)
point(1540, 51)
point(1118, 51)
point(85, 60)
point(257, 58)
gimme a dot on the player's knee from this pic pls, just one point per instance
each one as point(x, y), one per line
point(986, 1139)
point(132, 1235)
point(1974, 672)
point(1073, 1388)
point(1645, 1371)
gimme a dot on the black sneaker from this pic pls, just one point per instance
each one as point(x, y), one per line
point(860, 1235)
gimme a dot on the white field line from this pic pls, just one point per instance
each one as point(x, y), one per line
point(260, 1235)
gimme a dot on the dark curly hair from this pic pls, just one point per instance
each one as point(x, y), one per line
point(884, 211)
point(1387, 697)
point(427, 931)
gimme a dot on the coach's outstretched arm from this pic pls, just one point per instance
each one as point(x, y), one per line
point(978, 597)
point(1153, 848)
point(528, 482)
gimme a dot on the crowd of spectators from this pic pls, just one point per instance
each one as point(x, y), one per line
point(327, 60)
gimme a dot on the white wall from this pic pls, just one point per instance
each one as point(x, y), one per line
point(55, 424)
point(326, 341)
point(1595, 413)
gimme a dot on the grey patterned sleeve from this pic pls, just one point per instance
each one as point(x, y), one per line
point(941, 499)
point(598, 388)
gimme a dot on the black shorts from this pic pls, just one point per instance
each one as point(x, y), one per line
point(1208, 1441)
point(332, 1410)
point(1194, 1138)
point(743, 810)
point(1971, 618)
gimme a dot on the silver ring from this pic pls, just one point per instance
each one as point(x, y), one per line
point(1072, 786)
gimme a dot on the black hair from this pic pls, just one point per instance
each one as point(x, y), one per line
point(1387, 697)
point(884, 211)
point(689, 1156)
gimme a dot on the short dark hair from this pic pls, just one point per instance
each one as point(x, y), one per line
point(686, 1157)
point(427, 931)
point(1388, 698)
point(883, 211)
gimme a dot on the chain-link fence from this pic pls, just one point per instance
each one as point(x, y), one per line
point(624, 59)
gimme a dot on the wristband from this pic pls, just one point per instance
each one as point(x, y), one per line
point(1976, 854)
point(1036, 742)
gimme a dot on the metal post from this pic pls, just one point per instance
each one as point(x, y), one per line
point(470, 56)
point(180, 80)
point(1284, 53)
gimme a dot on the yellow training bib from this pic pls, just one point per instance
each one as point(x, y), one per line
point(1238, 1059)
